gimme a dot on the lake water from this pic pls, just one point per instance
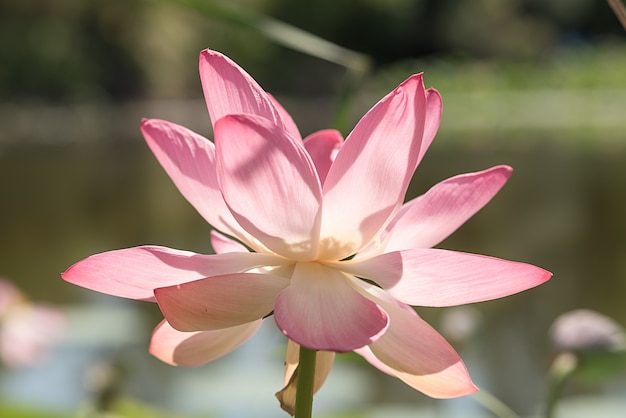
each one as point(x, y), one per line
point(563, 209)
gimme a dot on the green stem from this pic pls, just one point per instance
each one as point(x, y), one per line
point(306, 378)
point(563, 366)
point(493, 404)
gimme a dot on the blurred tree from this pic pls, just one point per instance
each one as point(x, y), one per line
point(390, 30)
point(490, 29)
point(118, 50)
point(68, 48)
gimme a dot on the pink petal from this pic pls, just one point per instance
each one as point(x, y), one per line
point(134, 273)
point(219, 302)
point(428, 219)
point(222, 244)
point(433, 277)
point(189, 160)
point(192, 349)
point(229, 90)
point(434, 109)
point(269, 184)
point(372, 170)
point(320, 310)
point(323, 146)
point(414, 352)
point(290, 125)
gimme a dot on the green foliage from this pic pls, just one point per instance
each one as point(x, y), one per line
point(129, 408)
point(22, 412)
point(68, 48)
point(597, 367)
point(598, 67)
point(121, 408)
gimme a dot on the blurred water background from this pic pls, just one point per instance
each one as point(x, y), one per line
point(538, 85)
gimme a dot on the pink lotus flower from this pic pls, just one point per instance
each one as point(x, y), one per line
point(335, 254)
point(27, 330)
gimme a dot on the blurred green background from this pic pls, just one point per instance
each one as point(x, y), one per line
point(536, 84)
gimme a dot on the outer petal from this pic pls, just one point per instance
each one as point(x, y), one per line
point(432, 277)
point(415, 353)
point(323, 364)
point(229, 90)
point(192, 349)
point(219, 302)
point(434, 108)
point(222, 244)
point(372, 170)
point(189, 160)
point(321, 311)
point(428, 219)
point(269, 184)
point(134, 273)
point(323, 147)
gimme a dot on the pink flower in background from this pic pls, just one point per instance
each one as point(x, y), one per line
point(335, 254)
point(27, 330)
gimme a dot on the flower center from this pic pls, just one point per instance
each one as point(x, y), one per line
point(332, 249)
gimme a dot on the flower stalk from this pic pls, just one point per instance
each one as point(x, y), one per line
point(562, 368)
point(306, 378)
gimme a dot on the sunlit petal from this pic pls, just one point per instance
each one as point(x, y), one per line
point(229, 90)
point(269, 184)
point(414, 352)
point(192, 349)
point(220, 301)
point(434, 108)
point(372, 170)
point(428, 219)
point(134, 273)
point(189, 160)
point(433, 277)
